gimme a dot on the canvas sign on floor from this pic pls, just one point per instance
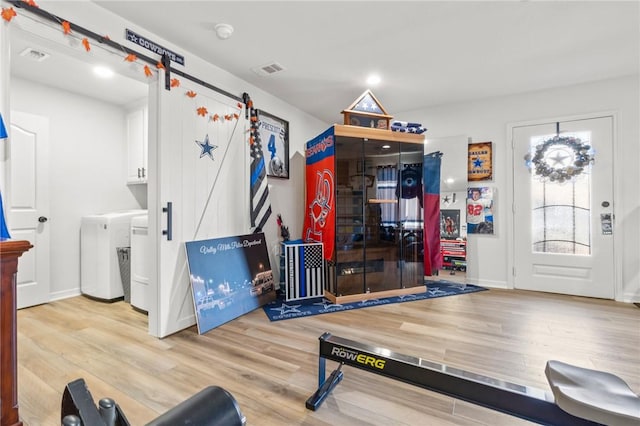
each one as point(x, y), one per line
point(229, 277)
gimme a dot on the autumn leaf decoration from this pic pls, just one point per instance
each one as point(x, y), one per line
point(202, 111)
point(130, 57)
point(8, 14)
point(31, 3)
point(147, 71)
point(191, 94)
point(160, 66)
point(66, 27)
point(85, 43)
point(175, 82)
point(215, 117)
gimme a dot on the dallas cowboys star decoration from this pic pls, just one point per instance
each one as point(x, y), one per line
point(206, 147)
point(285, 309)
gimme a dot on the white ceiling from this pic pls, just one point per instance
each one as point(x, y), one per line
point(427, 52)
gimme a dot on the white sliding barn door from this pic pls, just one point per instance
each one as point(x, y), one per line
point(198, 167)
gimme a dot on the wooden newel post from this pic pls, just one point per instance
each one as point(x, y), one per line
point(10, 251)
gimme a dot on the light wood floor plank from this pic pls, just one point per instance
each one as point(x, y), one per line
point(271, 367)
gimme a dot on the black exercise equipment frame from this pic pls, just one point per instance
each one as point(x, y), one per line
point(527, 403)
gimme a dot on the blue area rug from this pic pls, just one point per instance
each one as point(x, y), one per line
point(281, 310)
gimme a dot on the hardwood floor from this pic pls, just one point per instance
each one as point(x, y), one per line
point(271, 368)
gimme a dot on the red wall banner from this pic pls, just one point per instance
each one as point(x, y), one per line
point(320, 215)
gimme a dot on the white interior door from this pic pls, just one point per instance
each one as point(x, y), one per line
point(199, 167)
point(563, 231)
point(28, 204)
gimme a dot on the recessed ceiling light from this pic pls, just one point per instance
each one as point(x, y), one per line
point(386, 146)
point(450, 180)
point(373, 79)
point(103, 72)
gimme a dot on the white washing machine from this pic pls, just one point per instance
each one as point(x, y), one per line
point(100, 237)
point(140, 262)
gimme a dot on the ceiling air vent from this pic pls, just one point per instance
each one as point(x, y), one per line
point(34, 54)
point(268, 69)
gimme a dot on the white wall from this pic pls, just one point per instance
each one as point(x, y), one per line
point(87, 170)
point(86, 196)
point(487, 120)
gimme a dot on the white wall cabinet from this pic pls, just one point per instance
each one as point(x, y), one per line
point(137, 142)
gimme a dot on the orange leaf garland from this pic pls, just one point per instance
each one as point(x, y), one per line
point(85, 43)
point(236, 116)
point(254, 118)
point(202, 111)
point(8, 14)
point(251, 140)
point(31, 3)
point(240, 105)
point(215, 117)
point(191, 94)
point(147, 71)
point(175, 82)
point(227, 117)
point(66, 27)
point(250, 104)
point(131, 57)
point(160, 66)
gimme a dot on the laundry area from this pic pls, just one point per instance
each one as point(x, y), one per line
point(87, 154)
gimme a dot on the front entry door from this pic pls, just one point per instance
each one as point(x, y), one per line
point(563, 209)
point(28, 204)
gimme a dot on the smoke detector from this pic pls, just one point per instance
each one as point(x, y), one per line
point(34, 55)
point(268, 69)
point(223, 31)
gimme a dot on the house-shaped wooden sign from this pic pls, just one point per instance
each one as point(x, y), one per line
point(367, 111)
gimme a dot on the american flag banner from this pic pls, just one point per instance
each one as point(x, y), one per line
point(304, 269)
point(260, 205)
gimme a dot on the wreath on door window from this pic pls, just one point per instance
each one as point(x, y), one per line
point(560, 158)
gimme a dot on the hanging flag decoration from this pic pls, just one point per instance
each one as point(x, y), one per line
point(320, 215)
point(9, 13)
point(431, 208)
point(4, 231)
point(259, 203)
point(206, 147)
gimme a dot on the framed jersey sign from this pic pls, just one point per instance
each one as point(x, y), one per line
point(274, 135)
point(480, 210)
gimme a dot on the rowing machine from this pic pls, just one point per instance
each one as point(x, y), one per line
point(520, 401)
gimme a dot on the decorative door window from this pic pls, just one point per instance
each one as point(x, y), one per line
point(561, 193)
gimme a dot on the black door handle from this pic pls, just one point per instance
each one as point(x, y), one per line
point(42, 219)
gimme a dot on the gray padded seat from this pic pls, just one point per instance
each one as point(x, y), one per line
point(593, 395)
